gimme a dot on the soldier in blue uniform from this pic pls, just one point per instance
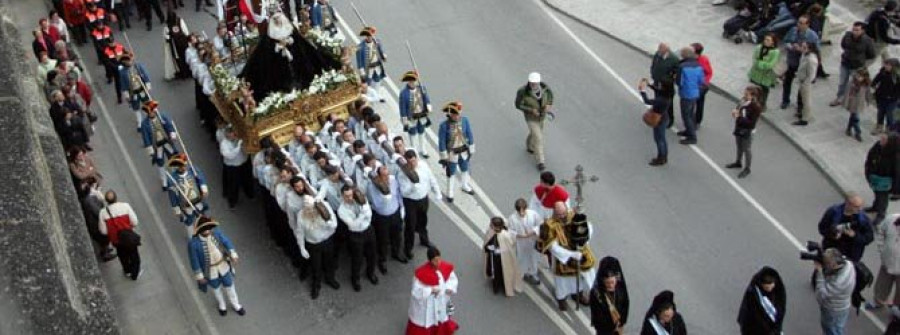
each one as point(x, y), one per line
point(414, 108)
point(456, 145)
point(134, 84)
point(187, 191)
point(370, 60)
point(213, 258)
point(158, 133)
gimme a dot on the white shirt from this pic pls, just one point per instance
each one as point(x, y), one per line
point(315, 230)
point(215, 256)
point(232, 152)
point(116, 210)
point(356, 217)
point(330, 191)
point(282, 191)
point(294, 203)
point(418, 191)
point(523, 225)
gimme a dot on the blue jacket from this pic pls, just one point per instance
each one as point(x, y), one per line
point(198, 256)
point(405, 106)
point(793, 36)
point(175, 196)
point(362, 51)
point(444, 134)
point(123, 76)
point(690, 79)
point(147, 128)
point(316, 16)
point(852, 248)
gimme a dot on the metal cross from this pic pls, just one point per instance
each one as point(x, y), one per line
point(579, 180)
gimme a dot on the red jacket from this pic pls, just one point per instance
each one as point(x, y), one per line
point(73, 12)
point(707, 68)
point(550, 195)
point(51, 35)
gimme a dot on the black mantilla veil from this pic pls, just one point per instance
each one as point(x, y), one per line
point(752, 316)
point(602, 304)
point(283, 60)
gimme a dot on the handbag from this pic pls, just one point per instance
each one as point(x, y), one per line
point(651, 118)
point(880, 183)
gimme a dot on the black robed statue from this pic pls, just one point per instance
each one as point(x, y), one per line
point(283, 60)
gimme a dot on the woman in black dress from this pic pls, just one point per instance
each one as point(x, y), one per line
point(609, 299)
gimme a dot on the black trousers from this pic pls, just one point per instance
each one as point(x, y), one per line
point(416, 221)
point(361, 245)
point(235, 178)
point(320, 256)
point(786, 86)
point(121, 12)
point(387, 233)
point(130, 259)
point(701, 102)
point(145, 7)
point(200, 3)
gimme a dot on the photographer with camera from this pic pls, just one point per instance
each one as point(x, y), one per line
point(835, 281)
point(845, 228)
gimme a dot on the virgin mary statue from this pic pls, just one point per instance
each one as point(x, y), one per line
point(283, 60)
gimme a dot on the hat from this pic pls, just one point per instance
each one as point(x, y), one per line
point(453, 107)
point(204, 223)
point(150, 105)
point(410, 76)
point(579, 218)
point(534, 77)
point(177, 160)
point(367, 31)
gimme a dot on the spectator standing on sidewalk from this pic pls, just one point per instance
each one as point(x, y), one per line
point(858, 50)
point(690, 81)
point(888, 241)
point(117, 221)
point(663, 71)
point(879, 27)
point(762, 72)
point(745, 117)
point(880, 168)
point(887, 93)
point(856, 100)
point(707, 77)
point(806, 75)
point(817, 23)
point(792, 42)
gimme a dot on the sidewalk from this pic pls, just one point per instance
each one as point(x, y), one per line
point(838, 156)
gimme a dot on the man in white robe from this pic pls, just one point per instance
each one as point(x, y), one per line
point(525, 223)
point(430, 306)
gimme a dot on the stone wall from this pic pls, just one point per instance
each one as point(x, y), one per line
point(49, 278)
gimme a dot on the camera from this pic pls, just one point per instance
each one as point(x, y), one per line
point(813, 252)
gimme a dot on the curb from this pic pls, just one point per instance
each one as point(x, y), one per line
point(810, 154)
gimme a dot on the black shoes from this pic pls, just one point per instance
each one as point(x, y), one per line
point(314, 294)
point(688, 141)
point(241, 311)
point(800, 123)
point(563, 306)
point(381, 268)
point(223, 312)
point(333, 284)
point(735, 165)
point(681, 133)
point(400, 258)
point(356, 286)
point(541, 167)
point(659, 161)
point(409, 255)
point(372, 278)
point(744, 173)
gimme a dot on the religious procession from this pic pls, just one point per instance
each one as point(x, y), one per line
point(346, 169)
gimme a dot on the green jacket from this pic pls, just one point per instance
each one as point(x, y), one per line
point(663, 70)
point(762, 72)
point(525, 102)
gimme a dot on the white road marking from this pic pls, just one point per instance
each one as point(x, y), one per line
point(765, 213)
point(532, 293)
point(157, 219)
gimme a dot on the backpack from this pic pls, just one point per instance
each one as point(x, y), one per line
point(864, 278)
point(115, 225)
point(870, 25)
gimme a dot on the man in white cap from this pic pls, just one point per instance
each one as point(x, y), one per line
point(535, 100)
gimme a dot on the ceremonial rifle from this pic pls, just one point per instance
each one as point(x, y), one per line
point(416, 68)
point(355, 11)
point(147, 90)
point(181, 192)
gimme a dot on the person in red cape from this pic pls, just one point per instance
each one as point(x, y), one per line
point(546, 194)
point(430, 306)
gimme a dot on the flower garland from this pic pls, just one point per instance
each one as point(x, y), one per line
point(324, 40)
point(224, 81)
point(276, 102)
point(326, 81)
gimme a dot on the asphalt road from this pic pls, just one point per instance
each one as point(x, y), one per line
point(681, 227)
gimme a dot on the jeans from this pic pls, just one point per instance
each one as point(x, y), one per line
point(853, 123)
point(783, 20)
point(842, 81)
point(886, 112)
point(833, 321)
point(743, 144)
point(787, 83)
point(659, 136)
point(687, 116)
